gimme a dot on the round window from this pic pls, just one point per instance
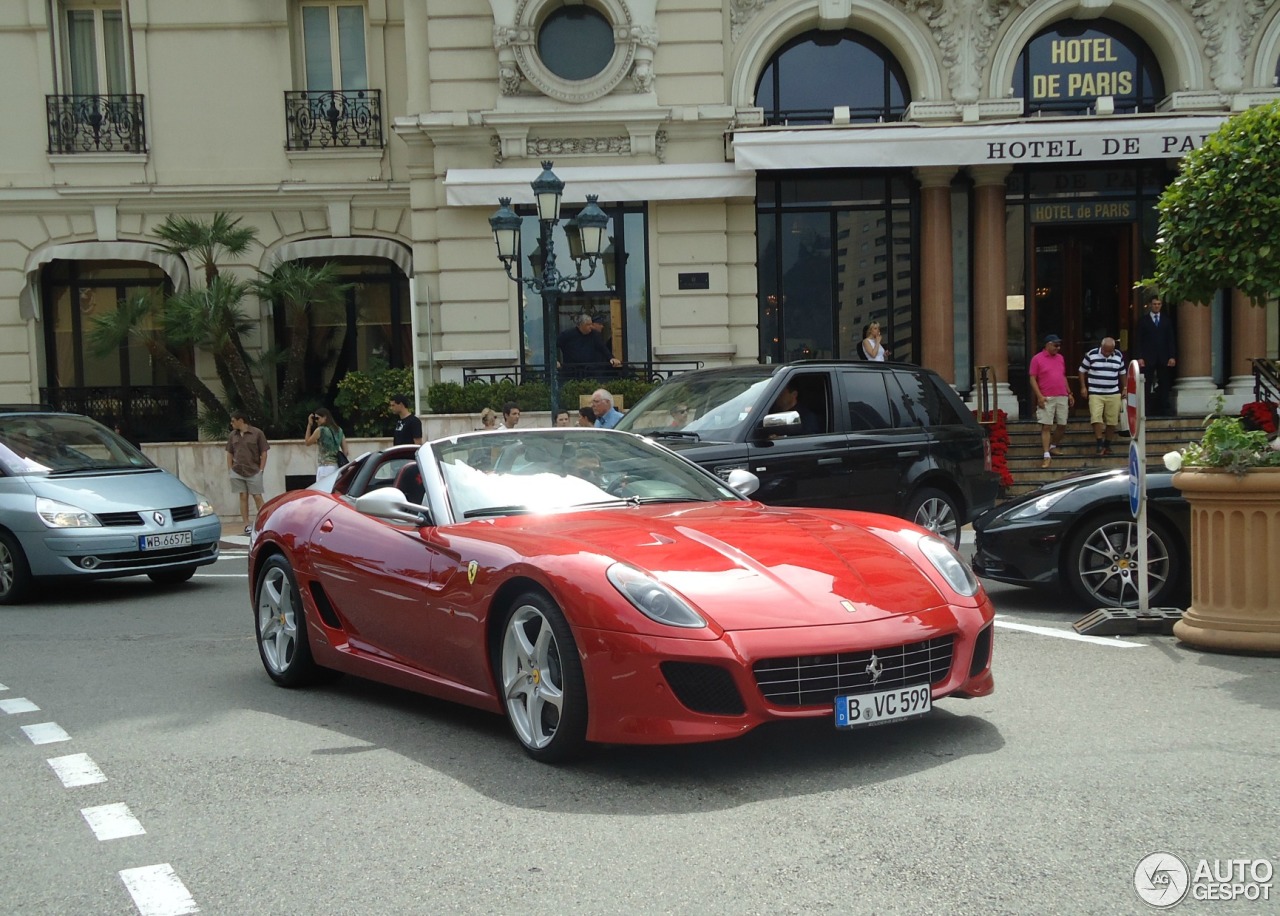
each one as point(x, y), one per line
point(575, 43)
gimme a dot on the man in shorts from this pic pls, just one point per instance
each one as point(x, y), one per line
point(1101, 375)
point(247, 448)
point(1053, 397)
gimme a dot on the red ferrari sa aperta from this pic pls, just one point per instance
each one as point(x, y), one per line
point(594, 586)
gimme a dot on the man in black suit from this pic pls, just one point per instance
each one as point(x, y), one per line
point(1158, 355)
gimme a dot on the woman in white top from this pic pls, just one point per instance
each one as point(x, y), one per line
point(872, 348)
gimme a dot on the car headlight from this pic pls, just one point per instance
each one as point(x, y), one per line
point(1038, 506)
point(62, 515)
point(203, 507)
point(652, 598)
point(950, 564)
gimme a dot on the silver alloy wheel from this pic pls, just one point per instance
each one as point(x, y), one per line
point(1107, 564)
point(6, 568)
point(936, 514)
point(278, 610)
point(532, 676)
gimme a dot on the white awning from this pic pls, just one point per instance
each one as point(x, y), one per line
point(1064, 140)
point(612, 183)
point(349, 247)
point(28, 299)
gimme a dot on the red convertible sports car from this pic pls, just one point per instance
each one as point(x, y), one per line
point(593, 586)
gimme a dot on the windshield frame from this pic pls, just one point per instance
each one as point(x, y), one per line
point(46, 444)
point(529, 471)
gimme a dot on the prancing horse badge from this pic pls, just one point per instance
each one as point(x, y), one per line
point(472, 568)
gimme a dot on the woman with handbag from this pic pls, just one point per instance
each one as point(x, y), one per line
point(324, 432)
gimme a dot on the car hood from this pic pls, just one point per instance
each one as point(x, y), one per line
point(116, 492)
point(749, 566)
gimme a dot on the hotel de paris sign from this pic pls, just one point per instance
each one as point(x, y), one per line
point(1035, 140)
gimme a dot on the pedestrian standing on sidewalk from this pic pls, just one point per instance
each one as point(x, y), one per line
point(1101, 376)
point(408, 429)
point(324, 431)
point(247, 449)
point(1048, 376)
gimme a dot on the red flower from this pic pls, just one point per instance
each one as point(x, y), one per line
point(1259, 415)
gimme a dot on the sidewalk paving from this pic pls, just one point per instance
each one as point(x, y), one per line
point(233, 534)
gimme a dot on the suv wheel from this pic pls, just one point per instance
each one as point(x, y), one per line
point(935, 510)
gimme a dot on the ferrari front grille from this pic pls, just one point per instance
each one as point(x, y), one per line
point(704, 688)
point(816, 680)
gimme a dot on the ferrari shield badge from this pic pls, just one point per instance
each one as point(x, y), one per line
point(472, 568)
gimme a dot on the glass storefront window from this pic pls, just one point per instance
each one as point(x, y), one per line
point(816, 72)
point(617, 292)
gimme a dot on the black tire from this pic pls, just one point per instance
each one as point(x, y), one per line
point(1101, 562)
point(15, 574)
point(933, 509)
point(172, 576)
point(280, 625)
point(540, 679)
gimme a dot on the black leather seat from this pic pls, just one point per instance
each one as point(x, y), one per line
point(409, 482)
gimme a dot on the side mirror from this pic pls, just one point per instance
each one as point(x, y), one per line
point(391, 504)
point(743, 482)
point(783, 423)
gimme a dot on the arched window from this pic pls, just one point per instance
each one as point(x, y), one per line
point(1068, 66)
point(817, 71)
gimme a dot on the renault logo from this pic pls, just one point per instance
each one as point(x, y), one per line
point(874, 668)
point(159, 518)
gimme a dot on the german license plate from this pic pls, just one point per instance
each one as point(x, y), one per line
point(164, 541)
point(884, 706)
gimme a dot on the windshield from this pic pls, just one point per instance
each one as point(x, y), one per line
point(700, 405)
point(510, 473)
point(63, 444)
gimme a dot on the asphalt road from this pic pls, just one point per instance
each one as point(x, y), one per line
point(356, 798)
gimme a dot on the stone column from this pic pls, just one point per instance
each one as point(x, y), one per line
point(1248, 340)
point(1194, 393)
point(990, 304)
point(937, 306)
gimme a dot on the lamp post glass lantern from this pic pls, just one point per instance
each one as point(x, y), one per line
point(586, 235)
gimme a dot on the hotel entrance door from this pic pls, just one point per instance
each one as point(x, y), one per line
point(1083, 278)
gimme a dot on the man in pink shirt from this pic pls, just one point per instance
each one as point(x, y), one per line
point(1048, 375)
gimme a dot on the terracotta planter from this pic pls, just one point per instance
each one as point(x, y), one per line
point(1235, 560)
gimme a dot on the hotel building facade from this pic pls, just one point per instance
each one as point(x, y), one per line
point(973, 174)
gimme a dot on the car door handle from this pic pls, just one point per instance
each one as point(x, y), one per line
point(910, 453)
point(836, 460)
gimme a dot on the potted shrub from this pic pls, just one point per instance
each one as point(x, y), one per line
point(1231, 478)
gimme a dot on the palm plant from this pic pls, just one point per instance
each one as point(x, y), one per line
point(206, 242)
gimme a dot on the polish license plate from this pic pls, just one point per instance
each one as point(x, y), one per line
point(164, 541)
point(885, 706)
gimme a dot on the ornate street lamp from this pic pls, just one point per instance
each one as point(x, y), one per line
point(586, 242)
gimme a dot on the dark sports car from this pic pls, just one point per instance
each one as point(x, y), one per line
point(1080, 533)
point(593, 586)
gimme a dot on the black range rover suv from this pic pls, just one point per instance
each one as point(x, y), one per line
point(878, 437)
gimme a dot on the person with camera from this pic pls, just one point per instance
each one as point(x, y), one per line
point(324, 432)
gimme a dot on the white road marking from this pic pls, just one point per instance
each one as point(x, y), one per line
point(157, 891)
point(1069, 634)
point(76, 770)
point(221, 575)
point(17, 705)
point(111, 822)
point(45, 733)
point(3, 687)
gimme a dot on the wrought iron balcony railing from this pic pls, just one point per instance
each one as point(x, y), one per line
point(148, 413)
point(530, 372)
point(96, 124)
point(333, 119)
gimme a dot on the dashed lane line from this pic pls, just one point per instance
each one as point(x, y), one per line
point(76, 770)
point(45, 733)
point(112, 822)
point(17, 705)
point(158, 891)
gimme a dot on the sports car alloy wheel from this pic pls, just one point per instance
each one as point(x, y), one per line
point(1102, 562)
point(542, 681)
point(282, 626)
point(15, 576)
point(936, 511)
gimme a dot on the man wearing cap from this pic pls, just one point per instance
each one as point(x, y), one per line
point(583, 351)
point(1048, 376)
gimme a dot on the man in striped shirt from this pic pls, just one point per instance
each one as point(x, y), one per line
point(1101, 377)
